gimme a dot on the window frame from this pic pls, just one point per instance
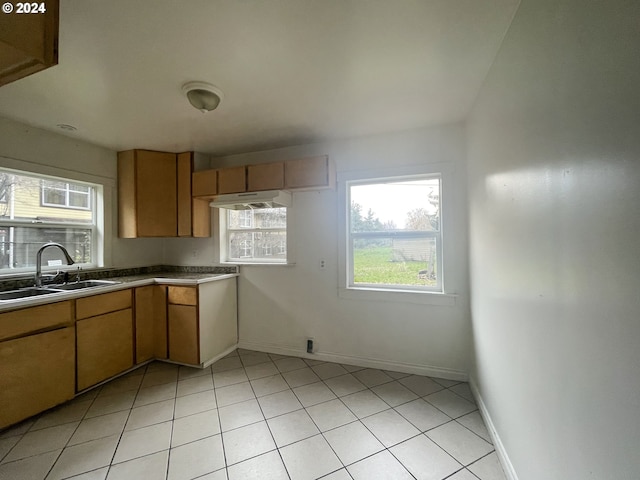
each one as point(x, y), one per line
point(224, 248)
point(352, 236)
point(98, 199)
point(67, 191)
point(398, 294)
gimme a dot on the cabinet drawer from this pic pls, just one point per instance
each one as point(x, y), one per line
point(33, 319)
point(98, 304)
point(183, 295)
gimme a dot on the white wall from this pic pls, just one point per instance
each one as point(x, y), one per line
point(554, 206)
point(35, 150)
point(282, 305)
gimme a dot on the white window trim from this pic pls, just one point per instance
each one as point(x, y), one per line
point(104, 198)
point(220, 219)
point(373, 293)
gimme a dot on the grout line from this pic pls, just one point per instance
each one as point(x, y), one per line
point(290, 388)
point(113, 456)
point(224, 450)
point(274, 439)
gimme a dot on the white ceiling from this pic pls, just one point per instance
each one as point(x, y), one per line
point(292, 71)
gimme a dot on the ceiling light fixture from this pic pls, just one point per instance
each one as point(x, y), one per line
point(203, 96)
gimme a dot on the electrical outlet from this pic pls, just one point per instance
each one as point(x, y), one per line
point(309, 345)
point(194, 253)
point(322, 264)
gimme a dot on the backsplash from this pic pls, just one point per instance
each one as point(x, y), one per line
point(100, 274)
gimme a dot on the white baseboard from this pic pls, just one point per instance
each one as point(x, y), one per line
point(507, 466)
point(219, 356)
point(431, 371)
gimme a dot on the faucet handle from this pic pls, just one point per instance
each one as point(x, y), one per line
point(78, 274)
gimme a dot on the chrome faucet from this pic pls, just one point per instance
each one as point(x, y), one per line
point(39, 260)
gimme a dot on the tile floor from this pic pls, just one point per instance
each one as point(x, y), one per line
point(257, 416)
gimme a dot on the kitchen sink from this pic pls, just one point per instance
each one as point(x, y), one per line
point(24, 293)
point(83, 284)
point(49, 289)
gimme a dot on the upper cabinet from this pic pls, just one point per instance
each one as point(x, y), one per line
point(232, 180)
point(155, 198)
point(204, 183)
point(309, 173)
point(312, 173)
point(28, 41)
point(266, 176)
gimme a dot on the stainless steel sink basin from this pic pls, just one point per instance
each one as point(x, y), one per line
point(24, 293)
point(49, 289)
point(83, 284)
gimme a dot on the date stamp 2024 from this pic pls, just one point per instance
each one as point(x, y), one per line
point(24, 7)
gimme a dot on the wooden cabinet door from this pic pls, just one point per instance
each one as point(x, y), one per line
point(105, 347)
point(267, 176)
point(156, 194)
point(28, 42)
point(204, 183)
point(184, 169)
point(36, 373)
point(183, 334)
point(312, 172)
point(151, 322)
point(232, 180)
point(201, 218)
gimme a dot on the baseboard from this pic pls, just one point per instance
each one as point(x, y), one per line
point(507, 466)
point(219, 356)
point(431, 371)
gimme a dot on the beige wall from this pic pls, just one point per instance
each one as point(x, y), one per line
point(280, 306)
point(554, 198)
point(34, 150)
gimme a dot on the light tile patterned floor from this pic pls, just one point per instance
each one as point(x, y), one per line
point(254, 415)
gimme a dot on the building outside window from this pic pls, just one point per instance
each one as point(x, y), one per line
point(255, 235)
point(35, 209)
point(65, 194)
point(394, 235)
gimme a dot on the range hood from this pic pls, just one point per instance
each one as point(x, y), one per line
point(253, 200)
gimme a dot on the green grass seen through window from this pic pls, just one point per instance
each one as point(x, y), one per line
point(374, 265)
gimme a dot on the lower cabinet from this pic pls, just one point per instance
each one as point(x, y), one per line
point(104, 334)
point(151, 322)
point(202, 321)
point(36, 373)
point(46, 358)
point(183, 325)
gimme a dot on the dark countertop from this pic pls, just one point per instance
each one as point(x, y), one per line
point(130, 278)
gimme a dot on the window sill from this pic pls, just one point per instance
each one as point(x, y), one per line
point(400, 296)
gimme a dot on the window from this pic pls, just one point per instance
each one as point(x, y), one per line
point(255, 235)
point(37, 210)
point(64, 194)
point(394, 238)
